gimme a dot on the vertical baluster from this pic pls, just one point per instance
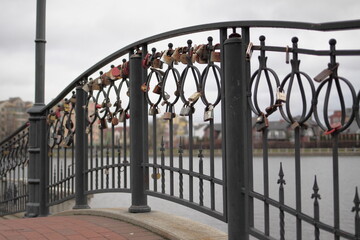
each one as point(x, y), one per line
point(298, 182)
point(316, 196)
point(96, 169)
point(61, 181)
point(125, 153)
point(107, 167)
point(171, 152)
point(112, 156)
point(58, 174)
point(119, 167)
point(356, 209)
point(191, 147)
point(336, 190)
point(181, 195)
point(54, 186)
point(266, 179)
point(91, 158)
point(102, 158)
point(154, 142)
point(212, 167)
point(282, 182)
point(201, 184)
point(162, 150)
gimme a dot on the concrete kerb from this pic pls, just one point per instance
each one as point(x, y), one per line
point(166, 225)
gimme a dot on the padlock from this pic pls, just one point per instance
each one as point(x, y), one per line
point(215, 55)
point(249, 51)
point(123, 116)
point(105, 80)
point(68, 140)
point(176, 54)
point(325, 73)
point(157, 63)
point(287, 55)
point(155, 176)
point(157, 88)
point(144, 88)
point(166, 96)
point(145, 63)
point(114, 73)
point(154, 110)
point(118, 106)
point(66, 107)
point(86, 87)
point(333, 128)
point(185, 110)
point(271, 109)
point(125, 69)
point(102, 123)
point(209, 113)
point(194, 97)
point(169, 114)
point(88, 129)
point(280, 95)
point(201, 54)
point(261, 123)
point(294, 125)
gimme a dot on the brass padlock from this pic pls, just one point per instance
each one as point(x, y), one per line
point(169, 114)
point(144, 88)
point(215, 55)
point(157, 63)
point(325, 73)
point(157, 88)
point(261, 123)
point(154, 110)
point(176, 54)
point(280, 95)
point(155, 176)
point(194, 97)
point(209, 113)
point(66, 107)
point(114, 121)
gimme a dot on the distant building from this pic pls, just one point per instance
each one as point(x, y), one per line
point(13, 114)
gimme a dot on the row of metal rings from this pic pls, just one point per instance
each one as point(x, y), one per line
point(329, 81)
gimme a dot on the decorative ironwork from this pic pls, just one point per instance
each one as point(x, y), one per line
point(96, 128)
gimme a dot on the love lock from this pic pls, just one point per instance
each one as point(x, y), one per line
point(334, 128)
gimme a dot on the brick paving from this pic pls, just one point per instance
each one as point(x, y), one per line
point(78, 227)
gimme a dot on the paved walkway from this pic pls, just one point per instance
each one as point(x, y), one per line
point(78, 227)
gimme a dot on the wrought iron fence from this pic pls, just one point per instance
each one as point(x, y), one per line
point(96, 143)
point(14, 159)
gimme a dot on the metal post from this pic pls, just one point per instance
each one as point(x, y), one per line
point(137, 136)
point(80, 150)
point(238, 137)
point(38, 164)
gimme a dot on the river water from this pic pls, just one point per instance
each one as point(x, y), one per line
point(349, 167)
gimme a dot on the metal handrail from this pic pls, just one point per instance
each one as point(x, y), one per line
point(331, 26)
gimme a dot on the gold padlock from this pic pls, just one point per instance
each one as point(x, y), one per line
point(194, 97)
point(215, 55)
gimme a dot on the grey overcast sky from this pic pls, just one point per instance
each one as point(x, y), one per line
point(79, 33)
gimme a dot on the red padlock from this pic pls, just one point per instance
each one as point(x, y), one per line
point(334, 127)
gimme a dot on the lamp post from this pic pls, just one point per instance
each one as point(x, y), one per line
point(37, 170)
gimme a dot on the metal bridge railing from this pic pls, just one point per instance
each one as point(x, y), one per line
point(134, 127)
